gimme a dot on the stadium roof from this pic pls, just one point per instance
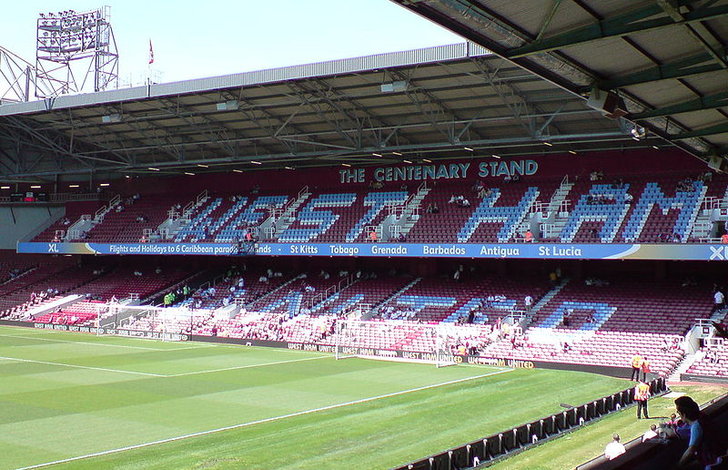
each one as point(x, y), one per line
point(663, 60)
point(443, 102)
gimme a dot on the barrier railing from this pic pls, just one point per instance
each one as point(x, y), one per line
point(526, 435)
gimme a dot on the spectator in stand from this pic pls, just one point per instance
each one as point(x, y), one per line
point(373, 236)
point(673, 422)
point(718, 300)
point(528, 303)
point(641, 395)
point(724, 238)
point(567, 317)
point(528, 236)
point(698, 431)
point(650, 434)
point(712, 356)
point(636, 367)
point(458, 273)
point(614, 449)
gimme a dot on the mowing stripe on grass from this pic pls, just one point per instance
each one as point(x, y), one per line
point(148, 374)
point(265, 420)
point(91, 342)
point(209, 371)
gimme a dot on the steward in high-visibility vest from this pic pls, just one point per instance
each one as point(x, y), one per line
point(641, 395)
point(636, 366)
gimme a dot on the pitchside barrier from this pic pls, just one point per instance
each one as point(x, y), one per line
point(519, 438)
point(658, 453)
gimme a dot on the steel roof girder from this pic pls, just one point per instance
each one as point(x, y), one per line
point(678, 69)
point(504, 90)
point(302, 91)
point(673, 10)
point(706, 131)
point(619, 26)
point(717, 100)
point(209, 131)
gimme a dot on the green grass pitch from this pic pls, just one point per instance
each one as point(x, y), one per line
point(80, 401)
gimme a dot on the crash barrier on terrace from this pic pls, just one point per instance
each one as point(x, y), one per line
point(526, 435)
point(658, 453)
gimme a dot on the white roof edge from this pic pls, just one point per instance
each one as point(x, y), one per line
point(313, 70)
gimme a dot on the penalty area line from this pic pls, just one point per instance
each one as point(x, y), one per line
point(262, 421)
point(62, 364)
point(93, 343)
point(249, 366)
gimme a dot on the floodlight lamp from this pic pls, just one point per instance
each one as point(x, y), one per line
point(231, 105)
point(394, 87)
point(638, 132)
point(109, 118)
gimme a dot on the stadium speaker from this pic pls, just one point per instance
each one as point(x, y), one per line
point(718, 163)
point(608, 102)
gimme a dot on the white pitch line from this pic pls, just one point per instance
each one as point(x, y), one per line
point(246, 366)
point(148, 374)
point(88, 342)
point(261, 421)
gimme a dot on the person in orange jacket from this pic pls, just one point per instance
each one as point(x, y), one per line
point(641, 395)
point(645, 368)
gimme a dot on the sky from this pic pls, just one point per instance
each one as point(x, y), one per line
point(203, 38)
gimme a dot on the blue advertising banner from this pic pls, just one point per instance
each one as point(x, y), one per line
point(700, 252)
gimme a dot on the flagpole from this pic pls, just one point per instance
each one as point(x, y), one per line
point(149, 63)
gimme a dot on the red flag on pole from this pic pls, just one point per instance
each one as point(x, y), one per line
point(151, 53)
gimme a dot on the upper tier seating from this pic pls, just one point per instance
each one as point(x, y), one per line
point(654, 208)
point(125, 222)
point(74, 211)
